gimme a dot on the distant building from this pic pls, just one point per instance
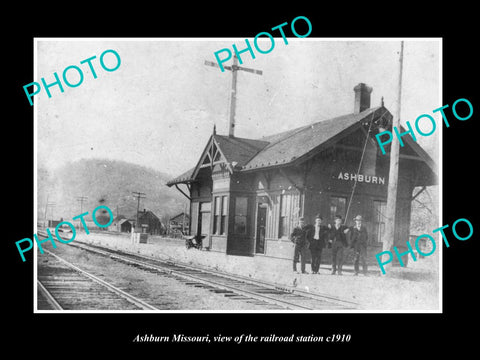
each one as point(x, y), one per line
point(114, 226)
point(126, 225)
point(89, 224)
point(150, 223)
point(121, 224)
point(54, 223)
point(179, 223)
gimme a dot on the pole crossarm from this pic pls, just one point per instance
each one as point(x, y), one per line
point(234, 67)
point(81, 199)
point(233, 95)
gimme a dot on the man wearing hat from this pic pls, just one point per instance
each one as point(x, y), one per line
point(317, 243)
point(300, 237)
point(339, 242)
point(359, 239)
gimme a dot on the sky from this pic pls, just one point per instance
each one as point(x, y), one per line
point(159, 107)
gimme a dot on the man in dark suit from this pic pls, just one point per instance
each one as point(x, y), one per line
point(320, 232)
point(359, 240)
point(339, 242)
point(300, 237)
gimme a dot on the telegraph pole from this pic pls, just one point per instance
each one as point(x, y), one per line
point(46, 209)
point(138, 195)
point(51, 205)
point(389, 236)
point(233, 93)
point(81, 199)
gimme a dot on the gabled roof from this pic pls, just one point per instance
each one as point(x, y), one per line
point(147, 213)
point(184, 178)
point(293, 145)
point(240, 150)
point(187, 216)
point(288, 146)
point(233, 150)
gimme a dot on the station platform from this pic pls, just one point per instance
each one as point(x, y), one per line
point(412, 289)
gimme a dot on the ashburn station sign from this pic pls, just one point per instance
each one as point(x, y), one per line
point(361, 178)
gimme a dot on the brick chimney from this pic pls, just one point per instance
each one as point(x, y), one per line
point(362, 97)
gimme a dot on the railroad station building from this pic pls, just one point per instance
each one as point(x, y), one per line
point(246, 195)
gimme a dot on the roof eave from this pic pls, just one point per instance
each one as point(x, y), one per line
point(181, 181)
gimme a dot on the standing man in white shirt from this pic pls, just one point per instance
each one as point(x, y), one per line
point(318, 243)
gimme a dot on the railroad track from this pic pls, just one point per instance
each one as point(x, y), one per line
point(63, 286)
point(272, 296)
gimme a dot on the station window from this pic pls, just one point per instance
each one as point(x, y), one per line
point(216, 214)
point(241, 209)
point(337, 206)
point(220, 215)
point(285, 205)
point(223, 219)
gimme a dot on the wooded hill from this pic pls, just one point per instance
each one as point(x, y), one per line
point(105, 182)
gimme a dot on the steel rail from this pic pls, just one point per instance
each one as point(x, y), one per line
point(137, 302)
point(251, 294)
point(165, 269)
point(126, 257)
point(279, 287)
point(48, 296)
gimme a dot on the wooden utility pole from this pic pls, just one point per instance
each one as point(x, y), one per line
point(46, 209)
point(51, 205)
point(389, 235)
point(81, 199)
point(233, 95)
point(138, 195)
